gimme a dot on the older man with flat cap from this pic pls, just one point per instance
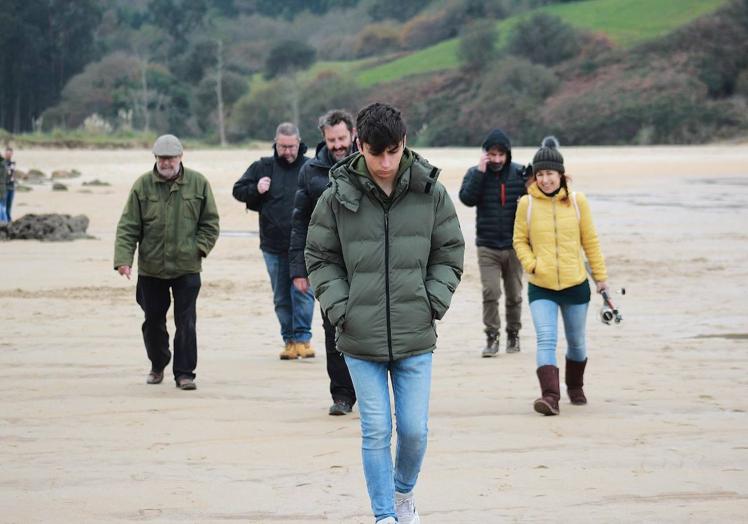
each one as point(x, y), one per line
point(171, 217)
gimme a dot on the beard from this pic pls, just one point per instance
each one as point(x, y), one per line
point(168, 173)
point(340, 153)
point(495, 167)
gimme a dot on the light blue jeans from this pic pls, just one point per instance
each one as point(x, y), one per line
point(545, 319)
point(293, 308)
point(411, 387)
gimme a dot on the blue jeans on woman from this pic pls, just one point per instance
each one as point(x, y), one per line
point(545, 319)
point(293, 308)
point(411, 387)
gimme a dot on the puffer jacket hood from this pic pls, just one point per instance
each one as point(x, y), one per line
point(496, 137)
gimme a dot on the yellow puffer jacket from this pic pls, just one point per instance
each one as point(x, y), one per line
point(550, 249)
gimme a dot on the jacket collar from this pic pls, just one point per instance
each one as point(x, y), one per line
point(351, 180)
point(535, 191)
point(179, 179)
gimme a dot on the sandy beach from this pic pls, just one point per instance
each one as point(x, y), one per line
point(663, 439)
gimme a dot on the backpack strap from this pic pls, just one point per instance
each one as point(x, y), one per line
point(529, 210)
point(529, 215)
point(576, 206)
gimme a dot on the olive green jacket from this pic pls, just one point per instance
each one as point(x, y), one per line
point(174, 225)
point(383, 268)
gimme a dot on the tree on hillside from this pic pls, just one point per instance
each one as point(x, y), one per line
point(216, 95)
point(122, 84)
point(544, 39)
point(478, 44)
point(287, 57)
point(394, 9)
point(42, 44)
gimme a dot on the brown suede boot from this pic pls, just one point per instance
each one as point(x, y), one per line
point(575, 381)
point(304, 349)
point(289, 352)
point(547, 404)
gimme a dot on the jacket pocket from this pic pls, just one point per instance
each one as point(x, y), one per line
point(192, 206)
point(150, 208)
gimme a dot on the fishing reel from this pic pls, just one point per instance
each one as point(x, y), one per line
point(609, 313)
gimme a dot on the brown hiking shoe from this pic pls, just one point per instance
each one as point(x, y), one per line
point(304, 349)
point(289, 352)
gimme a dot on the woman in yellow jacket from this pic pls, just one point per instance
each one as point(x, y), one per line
point(551, 229)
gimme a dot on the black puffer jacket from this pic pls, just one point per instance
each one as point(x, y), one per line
point(495, 195)
point(313, 180)
point(276, 205)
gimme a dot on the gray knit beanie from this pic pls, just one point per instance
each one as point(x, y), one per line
point(548, 156)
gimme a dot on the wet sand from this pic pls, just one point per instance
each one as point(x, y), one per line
point(663, 439)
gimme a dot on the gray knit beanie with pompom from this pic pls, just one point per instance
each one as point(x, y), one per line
point(548, 156)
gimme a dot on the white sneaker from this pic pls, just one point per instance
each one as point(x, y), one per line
point(388, 520)
point(405, 505)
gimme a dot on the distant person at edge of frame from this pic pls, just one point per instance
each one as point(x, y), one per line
point(337, 131)
point(385, 255)
point(269, 186)
point(6, 201)
point(3, 192)
point(552, 228)
point(171, 216)
point(493, 187)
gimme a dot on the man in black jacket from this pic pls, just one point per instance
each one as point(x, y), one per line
point(494, 186)
point(337, 133)
point(269, 187)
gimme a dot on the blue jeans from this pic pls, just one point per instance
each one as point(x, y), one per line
point(545, 319)
point(9, 203)
point(293, 308)
point(411, 387)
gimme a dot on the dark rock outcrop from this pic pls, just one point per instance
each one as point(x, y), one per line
point(48, 227)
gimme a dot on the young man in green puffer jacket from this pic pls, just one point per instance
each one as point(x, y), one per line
point(385, 253)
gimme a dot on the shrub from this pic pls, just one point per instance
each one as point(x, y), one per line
point(289, 56)
point(478, 44)
point(377, 39)
point(544, 39)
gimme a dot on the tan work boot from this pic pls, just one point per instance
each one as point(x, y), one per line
point(289, 352)
point(304, 349)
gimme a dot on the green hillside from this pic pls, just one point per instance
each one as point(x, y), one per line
point(625, 22)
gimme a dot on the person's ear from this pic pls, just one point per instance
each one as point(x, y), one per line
point(358, 145)
point(405, 140)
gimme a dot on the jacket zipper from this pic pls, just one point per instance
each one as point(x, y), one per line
point(555, 234)
point(387, 277)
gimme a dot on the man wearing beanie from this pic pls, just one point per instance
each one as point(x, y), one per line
point(493, 187)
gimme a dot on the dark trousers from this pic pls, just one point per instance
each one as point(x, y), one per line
point(154, 298)
point(341, 385)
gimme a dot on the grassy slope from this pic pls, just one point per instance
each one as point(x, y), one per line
point(625, 22)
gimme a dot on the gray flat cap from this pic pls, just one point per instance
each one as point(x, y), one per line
point(167, 145)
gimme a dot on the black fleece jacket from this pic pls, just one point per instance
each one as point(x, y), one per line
point(276, 205)
point(313, 180)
